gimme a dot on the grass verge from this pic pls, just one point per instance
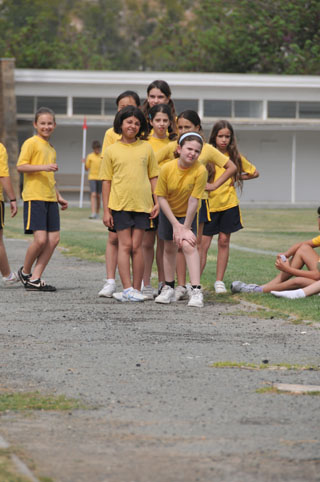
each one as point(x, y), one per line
point(26, 401)
point(264, 366)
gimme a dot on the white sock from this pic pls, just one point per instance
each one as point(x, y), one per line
point(111, 281)
point(292, 294)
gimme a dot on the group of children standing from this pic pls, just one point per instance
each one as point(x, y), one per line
point(159, 180)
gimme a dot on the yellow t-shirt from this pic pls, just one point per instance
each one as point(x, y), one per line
point(225, 197)
point(316, 241)
point(40, 185)
point(177, 185)
point(110, 137)
point(93, 163)
point(208, 154)
point(4, 170)
point(129, 167)
point(157, 144)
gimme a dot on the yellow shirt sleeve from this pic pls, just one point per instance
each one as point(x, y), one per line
point(316, 241)
point(4, 170)
point(110, 138)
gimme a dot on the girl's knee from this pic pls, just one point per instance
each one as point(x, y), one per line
point(223, 240)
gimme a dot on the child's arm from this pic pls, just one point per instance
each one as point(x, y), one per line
point(107, 216)
point(37, 168)
point(7, 186)
point(155, 210)
point(230, 169)
point(63, 202)
point(292, 250)
point(180, 231)
point(246, 176)
point(285, 267)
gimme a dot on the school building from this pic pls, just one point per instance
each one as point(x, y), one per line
point(276, 119)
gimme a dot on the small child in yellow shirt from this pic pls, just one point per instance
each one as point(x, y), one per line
point(92, 165)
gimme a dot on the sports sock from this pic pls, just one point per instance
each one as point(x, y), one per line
point(170, 283)
point(292, 294)
point(258, 289)
point(111, 281)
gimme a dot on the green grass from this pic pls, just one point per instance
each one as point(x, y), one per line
point(282, 392)
point(268, 230)
point(27, 401)
point(264, 366)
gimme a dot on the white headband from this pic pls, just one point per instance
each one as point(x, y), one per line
point(187, 134)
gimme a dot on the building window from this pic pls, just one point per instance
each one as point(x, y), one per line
point(185, 104)
point(110, 107)
point(217, 108)
point(87, 106)
point(57, 104)
point(247, 108)
point(309, 110)
point(284, 110)
point(25, 104)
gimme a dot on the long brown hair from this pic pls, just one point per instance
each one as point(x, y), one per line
point(232, 148)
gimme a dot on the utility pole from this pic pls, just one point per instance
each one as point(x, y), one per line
point(8, 118)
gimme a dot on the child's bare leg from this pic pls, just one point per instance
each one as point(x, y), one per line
point(294, 283)
point(111, 255)
point(305, 255)
point(137, 257)
point(204, 248)
point(193, 262)
point(34, 250)
point(223, 255)
point(4, 263)
point(124, 255)
point(93, 199)
point(98, 203)
point(43, 259)
point(181, 268)
point(148, 255)
point(159, 259)
point(169, 260)
point(312, 289)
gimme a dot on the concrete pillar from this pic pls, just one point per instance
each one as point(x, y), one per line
point(8, 118)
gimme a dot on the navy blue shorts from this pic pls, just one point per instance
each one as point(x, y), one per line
point(165, 230)
point(41, 216)
point(1, 215)
point(130, 219)
point(204, 214)
point(95, 186)
point(228, 221)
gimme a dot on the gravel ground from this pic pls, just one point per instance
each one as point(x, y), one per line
point(160, 412)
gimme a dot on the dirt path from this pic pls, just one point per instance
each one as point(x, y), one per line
point(160, 411)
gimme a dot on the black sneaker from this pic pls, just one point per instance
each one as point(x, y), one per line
point(38, 285)
point(24, 278)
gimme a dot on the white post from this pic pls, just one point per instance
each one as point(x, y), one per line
point(84, 141)
point(293, 169)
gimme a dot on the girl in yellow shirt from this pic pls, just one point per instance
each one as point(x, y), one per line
point(128, 97)
point(224, 209)
point(129, 173)
point(161, 125)
point(180, 186)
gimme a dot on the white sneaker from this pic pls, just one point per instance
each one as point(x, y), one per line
point(196, 298)
point(166, 296)
point(108, 289)
point(180, 293)
point(220, 287)
point(130, 295)
point(11, 279)
point(148, 292)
